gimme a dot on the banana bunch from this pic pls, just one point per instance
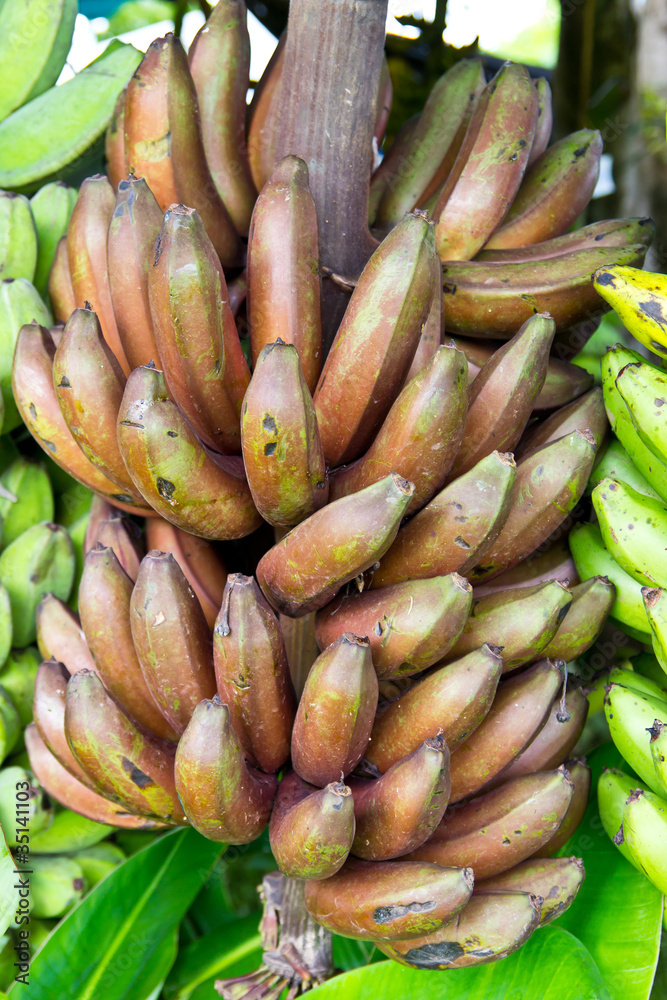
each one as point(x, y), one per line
point(634, 813)
point(639, 299)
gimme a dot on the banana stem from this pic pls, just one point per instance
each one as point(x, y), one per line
point(334, 54)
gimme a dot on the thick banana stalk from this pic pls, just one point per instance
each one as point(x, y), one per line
point(631, 716)
point(104, 605)
point(556, 880)
point(225, 798)
point(638, 297)
point(549, 484)
point(60, 636)
point(114, 142)
point(376, 341)
point(172, 470)
point(89, 384)
point(88, 260)
point(330, 548)
point(585, 413)
point(200, 352)
point(580, 776)
point(554, 192)
point(49, 717)
point(410, 625)
point(336, 711)
point(503, 827)
point(311, 829)
point(452, 700)
point(133, 231)
point(252, 673)
point(544, 119)
point(125, 763)
point(434, 142)
point(592, 558)
point(282, 453)
point(490, 165)
point(171, 638)
point(389, 900)
point(454, 531)
point(398, 812)
point(199, 560)
point(592, 602)
point(556, 740)
point(634, 529)
point(163, 142)
point(421, 434)
point(61, 292)
point(492, 299)
point(520, 710)
point(64, 788)
point(522, 621)
point(284, 268)
point(503, 395)
point(491, 926)
point(644, 833)
point(219, 60)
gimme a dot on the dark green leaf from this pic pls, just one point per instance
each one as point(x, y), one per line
point(552, 965)
point(231, 951)
point(349, 954)
point(617, 913)
point(119, 942)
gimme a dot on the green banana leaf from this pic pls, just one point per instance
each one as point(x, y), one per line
point(120, 941)
point(231, 951)
point(8, 898)
point(617, 914)
point(552, 965)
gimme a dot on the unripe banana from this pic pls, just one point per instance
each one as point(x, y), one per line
point(19, 304)
point(592, 558)
point(655, 605)
point(30, 484)
point(10, 724)
point(634, 529)
point(18, 237)
point(614, 787)
point(56, 884)
point(98, 861)
point(31, 810)
point(17, 678)
point(615, 463)
point(645, 835)
point(51, 208)
point(68, 832)
point(6, 628)
point(631, 715)
point(643, 389)
point(38, 562)
point(658, 747)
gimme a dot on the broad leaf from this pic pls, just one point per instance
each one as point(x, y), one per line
point(8, 896)
point(617, 913)
point(230, 951)
point(120, 940)
point(552, 965)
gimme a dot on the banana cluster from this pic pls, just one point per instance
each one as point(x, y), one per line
point(634, 813)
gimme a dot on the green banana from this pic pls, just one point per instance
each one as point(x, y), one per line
point(634, 529)
point(615, 463)
point(645, 835)
point(614, 787)
point(18, 236)
point(51, 209)
point(10, 724)
point(61, 132)
point(68, 832)
point(17, 677)
point(636, 682)
point(30, 484)
point(97, 861)
point(658, 747)
point(643, 389)
point(655, 606)
point(592, 559)
point(56, 884)
point(19, 304)
point(645, 665)
point(35, 37)
point(630, 716)
point(40, 561)
point(621, 424)
point(30, 812)
point(6, 631)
